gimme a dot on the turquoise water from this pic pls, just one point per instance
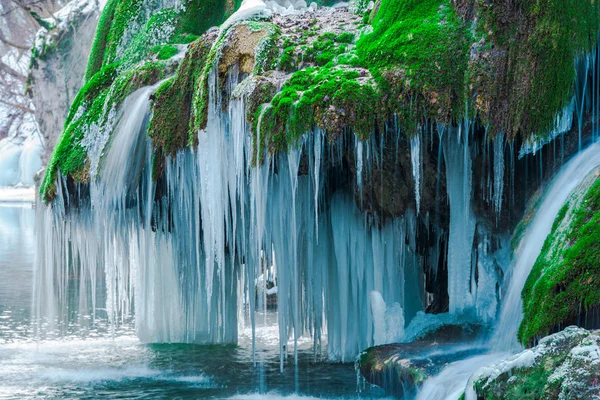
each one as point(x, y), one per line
point(99, 364)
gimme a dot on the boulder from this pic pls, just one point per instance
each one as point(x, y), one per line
point(565, 365)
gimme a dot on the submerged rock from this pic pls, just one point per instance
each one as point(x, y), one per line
point(565, 365)
point(402, 368)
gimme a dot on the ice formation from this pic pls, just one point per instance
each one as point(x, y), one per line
point(415, 158)
point(20, 159)
point(462, 222)
point(187, 256)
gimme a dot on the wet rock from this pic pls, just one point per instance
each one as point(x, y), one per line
point(565, 365)
point(402, 368)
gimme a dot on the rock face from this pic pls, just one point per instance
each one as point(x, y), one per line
point(58, 65)
point(565, 365)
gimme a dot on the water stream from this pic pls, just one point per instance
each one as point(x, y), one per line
point(451, 382)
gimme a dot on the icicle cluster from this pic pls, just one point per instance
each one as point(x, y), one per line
point(191, 253)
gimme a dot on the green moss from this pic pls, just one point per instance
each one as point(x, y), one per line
point(541, 39)
point(418, 51)
point(565, 279)
point(103, 92)
point(43, 23)
point(96, 59)
point(167, 52)
point(171, 121)
point(528, 384)
point(98, 83)
point(126, 34)
point(346, 37)
point(124, 38)
point(69, 156)
point(331, 98)
point(184, 38)
point(129, 81)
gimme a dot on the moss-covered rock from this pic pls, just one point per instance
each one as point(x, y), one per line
point(91, 113)
point(129, 29)
point(171, 121)
point(522, 69)
point(134, 46)
point(420, 63)
point(564, 284)
point(419, 51)
point(565, 365)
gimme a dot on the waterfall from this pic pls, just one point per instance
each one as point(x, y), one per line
point(540, 227)
point(182, 257)
point(451, 382)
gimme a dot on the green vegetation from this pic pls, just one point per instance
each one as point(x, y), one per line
point(413, 65)
point(165, 52)
point(90, 110)
point(541, 38)
point(424, 60)
point(43, 23)
point(170, 127)
point(124, 34)
point(418, 52)
point(530, 384)
point(565, 279)
point(563, 366)
point(328, 97)
point(125, 37)
point(96, 59)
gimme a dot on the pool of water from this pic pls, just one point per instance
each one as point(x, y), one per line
point(101, 364)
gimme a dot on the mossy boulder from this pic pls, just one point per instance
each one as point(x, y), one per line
point(564, 285)
point(135, 45)
point(418, 64)
point(565, 365)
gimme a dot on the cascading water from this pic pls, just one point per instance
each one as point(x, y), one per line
point(504, 340)
point(184, 256)
point(186, 262)
point(571, 175)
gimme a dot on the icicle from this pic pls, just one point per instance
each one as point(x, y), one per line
point(191, 258)
point(359, 164)
point(415, 158)
point(462, 224)
point(318, 150)
point(498, 173)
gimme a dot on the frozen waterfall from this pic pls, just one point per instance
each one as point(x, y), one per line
point(181, 258)
point(20, 159)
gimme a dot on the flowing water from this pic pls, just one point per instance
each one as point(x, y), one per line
point(451, 382)
point(90, 364)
